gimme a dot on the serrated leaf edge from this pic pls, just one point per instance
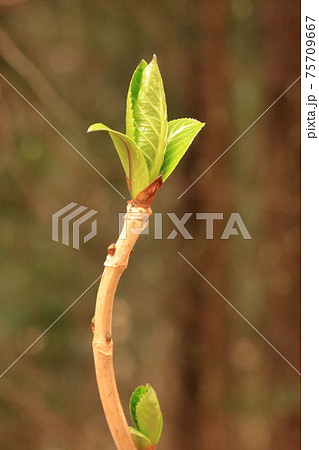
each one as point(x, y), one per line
point(147, 389)
point(169, 138)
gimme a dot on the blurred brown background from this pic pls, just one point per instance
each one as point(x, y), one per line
point(221, 386)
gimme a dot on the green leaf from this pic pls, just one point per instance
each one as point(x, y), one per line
point(132, 94)
point(146, 413)
point(131, 158)
point(149, 115)
point(181, 133)
point(135, 398)
point(152, 147)
point(141, 441)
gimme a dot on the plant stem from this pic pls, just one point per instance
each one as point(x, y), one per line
point(117, 260)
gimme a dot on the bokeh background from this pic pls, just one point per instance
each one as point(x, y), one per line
point(221, 386)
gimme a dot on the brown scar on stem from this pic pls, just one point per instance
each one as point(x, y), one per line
point(111, 249)
point(108, 336)
point(145, 197)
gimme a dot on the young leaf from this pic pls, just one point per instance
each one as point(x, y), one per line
point(132, 94)
point(131, 158)
point(135, 398)
point(146, 413)
point(151, 147)
point(181, 133)
point(141, 441)
point(150, 116)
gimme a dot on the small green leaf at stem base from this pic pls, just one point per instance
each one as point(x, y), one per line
point(146, 413)
point(142, 442)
